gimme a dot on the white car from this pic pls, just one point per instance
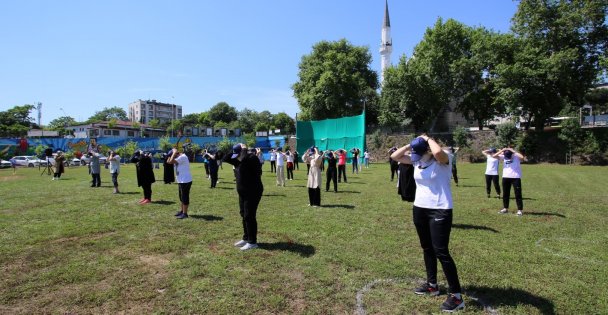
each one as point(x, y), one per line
point(28, 160)
point(84, 160)
point(5, 164)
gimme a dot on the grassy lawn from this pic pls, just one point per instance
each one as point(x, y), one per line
point(69, 248)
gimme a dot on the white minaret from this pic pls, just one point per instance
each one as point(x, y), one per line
point(386, 47)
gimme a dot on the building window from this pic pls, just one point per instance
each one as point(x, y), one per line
point(107, 132)
point(131, 133)
point(115, 132)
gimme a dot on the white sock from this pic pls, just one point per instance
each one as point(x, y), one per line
point(458, 296)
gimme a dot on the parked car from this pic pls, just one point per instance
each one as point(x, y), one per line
point(84, 160)
point(75, 162)
point(5, 164)
point(29, 160)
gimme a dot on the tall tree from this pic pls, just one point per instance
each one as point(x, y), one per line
point(558, 56)
point(247, 119)
point(335, 80)
point(16, 121)
point(284, 122)
point(108, 113)
point(222, 112)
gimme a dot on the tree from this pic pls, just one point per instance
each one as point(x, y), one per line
point(107, 114)
point(461, 137)
point(154, 123)
point(507, 134)
point(203, 120)
point(247, 118)
point(475, 73)
point(190, 119)
point(598, 98)
point(222, 112)
point(16, 121)
point(284, 122)
point(60, 124)
point(557, 57)
point(335, 80)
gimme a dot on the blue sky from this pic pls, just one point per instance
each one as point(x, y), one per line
point(77, 57)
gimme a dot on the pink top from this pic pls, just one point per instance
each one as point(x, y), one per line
point(341, 158)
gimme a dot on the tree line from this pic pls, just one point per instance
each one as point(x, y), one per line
point(544, 67)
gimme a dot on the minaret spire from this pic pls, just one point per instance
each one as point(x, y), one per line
point(386, 46)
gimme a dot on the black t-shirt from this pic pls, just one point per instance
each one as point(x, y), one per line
point(331, 162)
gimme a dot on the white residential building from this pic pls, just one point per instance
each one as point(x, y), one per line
point(143, 111)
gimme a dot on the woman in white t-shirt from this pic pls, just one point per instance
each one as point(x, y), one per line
point(491, 171)
point(511, 176)
point(433, 214)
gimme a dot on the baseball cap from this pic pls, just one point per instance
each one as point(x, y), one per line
point(419, 147)
point(236, 150)
point(492, 150)
point(508, 154)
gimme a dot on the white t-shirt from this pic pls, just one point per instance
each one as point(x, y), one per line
point(433, 189)
point(115, 164)
point(273, 156)
point(289, 158)
point(366, 155)
point(280, 159)
point(491, 165)
point(182, 169)
point(510, 168)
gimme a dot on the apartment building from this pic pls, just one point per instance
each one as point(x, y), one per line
point(143, 111)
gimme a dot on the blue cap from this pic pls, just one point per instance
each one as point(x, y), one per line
point(492, 150)
point(508, 154)
point(419, 147)
point(236, 150)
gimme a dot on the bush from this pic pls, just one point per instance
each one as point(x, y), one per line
point(507, 134)
point(461, 137)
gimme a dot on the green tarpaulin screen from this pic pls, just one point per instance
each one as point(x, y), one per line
point(332, 134)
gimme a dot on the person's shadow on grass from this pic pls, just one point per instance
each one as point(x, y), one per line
point(301, 249)
point(474, 227)
point(163, 202)
point(495, 297)
point(206, 217)
point(338, 206)
point(545, 214)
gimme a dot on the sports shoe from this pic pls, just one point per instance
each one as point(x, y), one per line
point(240, 243)
point(249, 246)
point(182, 216)
point(452, 304)
point(520, 213)
point(178, 213)
point(426, 288)
point(503, 211)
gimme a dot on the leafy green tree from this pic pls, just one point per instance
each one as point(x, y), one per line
point(261, 126)
point(60, 124)
point(107, 114)
point(335, 80)
point(190, 119)
point(249, 139)
point(284, 122)
point(247, 118)
point(203, 120)
point(130, 148)
point(461, 137)
point(225, 145)
point(507, 134)
point(164, 143)
point(154, 123)
point(557, 57)
point(598, 98)
point(222, 112)
point(16, 121)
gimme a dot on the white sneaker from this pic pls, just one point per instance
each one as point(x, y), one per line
point(249, 246)
point(519, 213)
point(504, 210)
point(240, 243)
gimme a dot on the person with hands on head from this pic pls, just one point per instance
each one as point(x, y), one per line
point(511, 176)
point(394, 165)
point(248, 172)
point(432, 214)
point(332, 172)
point(491, 171)
point(145, 174)
point(114, 160)
point(341, 164)
point(211, 157)
point(184, 180)
point(312, 157)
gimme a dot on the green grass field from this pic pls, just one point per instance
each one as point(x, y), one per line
point(66, 248)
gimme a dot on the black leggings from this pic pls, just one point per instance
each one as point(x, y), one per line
point(147, 187)
point(115, 179)
point(434, 227)
point(331, 176)
point(506, 185)
point(492, 179)
point(341, 172)
point(394, 168)
point(184, 192)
